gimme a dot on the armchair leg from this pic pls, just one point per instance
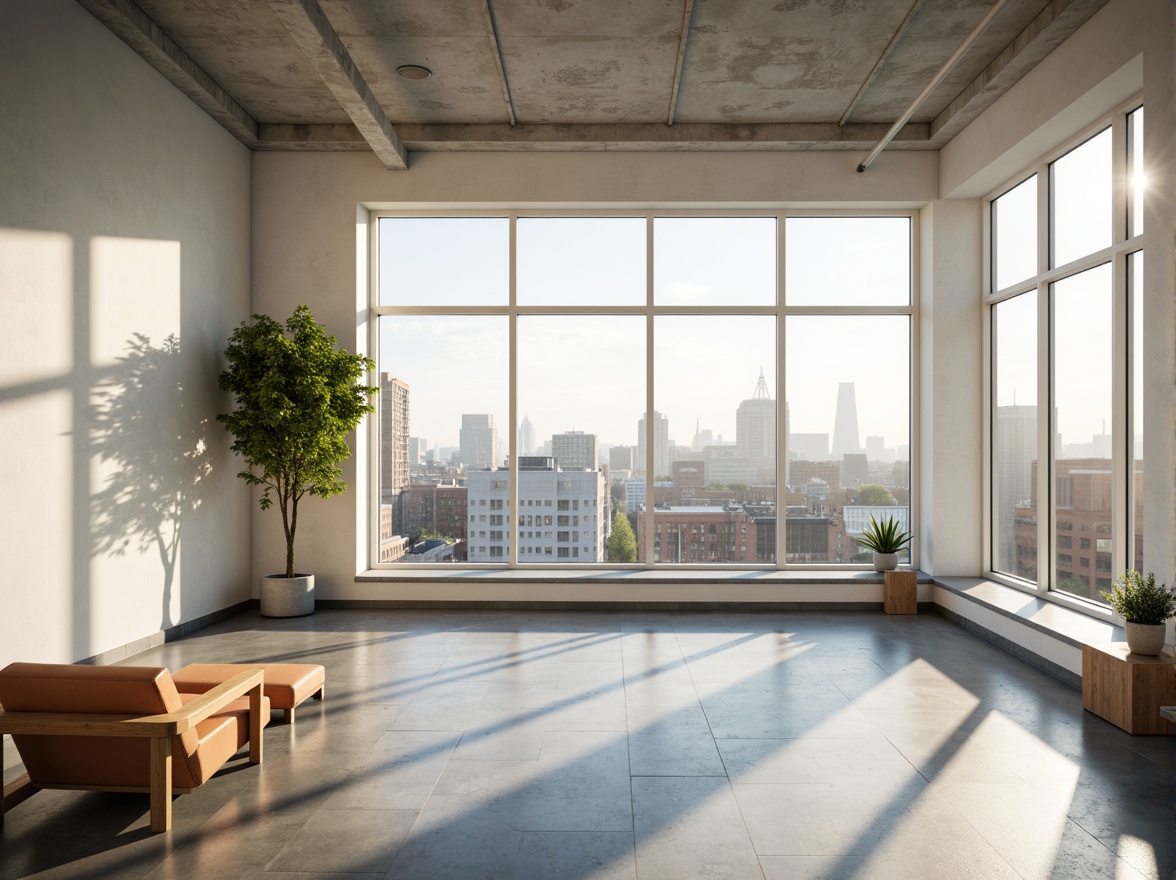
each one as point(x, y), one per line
point(161, 783)
point(255, 725)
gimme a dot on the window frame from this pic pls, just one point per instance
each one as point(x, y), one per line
point(1118, 254)
point(650, 311)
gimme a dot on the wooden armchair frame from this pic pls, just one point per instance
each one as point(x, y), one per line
point(159, 728)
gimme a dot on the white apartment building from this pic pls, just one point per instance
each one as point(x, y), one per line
point(563, 515)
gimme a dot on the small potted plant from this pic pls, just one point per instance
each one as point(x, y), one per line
point(297, 398)
point(1145, 608)
point(886, 539)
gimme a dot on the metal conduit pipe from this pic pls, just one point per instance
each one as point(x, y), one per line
point(934, 84)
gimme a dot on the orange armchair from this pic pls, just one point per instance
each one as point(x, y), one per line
point(126, 728)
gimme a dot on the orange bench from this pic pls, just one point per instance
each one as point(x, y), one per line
point(287, 685)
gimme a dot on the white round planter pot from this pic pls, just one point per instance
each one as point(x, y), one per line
point(287, 597)
point(1145, 638)
point(885, 561)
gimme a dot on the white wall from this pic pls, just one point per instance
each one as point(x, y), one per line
point(124, 211)
point(1128, 46)
point(304, 246)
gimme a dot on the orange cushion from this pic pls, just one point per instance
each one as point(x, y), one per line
point(286, 684)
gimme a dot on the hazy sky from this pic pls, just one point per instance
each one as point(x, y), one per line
point(587, 372)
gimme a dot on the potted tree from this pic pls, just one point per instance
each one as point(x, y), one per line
point(1145, 608)
point(886, 539)
point(298, 397)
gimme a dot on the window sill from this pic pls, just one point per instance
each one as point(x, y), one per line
point(661, 576)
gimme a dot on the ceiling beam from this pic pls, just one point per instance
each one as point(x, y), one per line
point(1057, 21)
point(496, 51)
point(601, 137)
point(319, 42)
point(886, 53)
point(687, 11)
point(141, 33)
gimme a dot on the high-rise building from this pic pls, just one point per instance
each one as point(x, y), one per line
point(575, 450)
point(526, 437)
point(1013, 452)
point(479, 441)
point(620, 459)
point(394, 452)
point(845, 428)
point(417, 447)
point(755, 424)
point(661, 445)
point(562, 516)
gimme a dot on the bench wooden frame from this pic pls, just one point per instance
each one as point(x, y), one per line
point(160, 729)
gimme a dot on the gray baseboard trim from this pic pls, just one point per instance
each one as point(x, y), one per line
point(1019, 651)
point(187, 627)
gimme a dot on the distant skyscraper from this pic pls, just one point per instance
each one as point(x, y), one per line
point(845, 428)
point(479, 441)
point(574, 450)
point(394, 458)
point(526, 437)
point(417, 447)
point(755, 424)
point(661, 445)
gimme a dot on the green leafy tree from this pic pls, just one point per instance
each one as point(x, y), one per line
point(874, 495)
point(297, 399)
point(622, 544)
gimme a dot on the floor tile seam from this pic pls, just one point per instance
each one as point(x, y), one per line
point(1101, 842)
point(629, 760)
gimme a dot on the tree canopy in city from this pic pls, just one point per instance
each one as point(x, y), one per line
point(622, 543)
point(874, 495)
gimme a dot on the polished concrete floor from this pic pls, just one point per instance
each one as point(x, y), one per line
point(569, 745)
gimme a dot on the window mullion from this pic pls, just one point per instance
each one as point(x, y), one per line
point(512, 492)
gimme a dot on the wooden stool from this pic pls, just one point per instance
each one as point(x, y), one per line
point(286, 684)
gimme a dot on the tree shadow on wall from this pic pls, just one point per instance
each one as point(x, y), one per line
point(153, 453)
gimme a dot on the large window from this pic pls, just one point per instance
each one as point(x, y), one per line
point(1065, 300)
point(593, 388)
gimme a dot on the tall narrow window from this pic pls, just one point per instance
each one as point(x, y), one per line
point(1070, 520)
point(1084, 492)
point(1135, 286)
point(1014, 437)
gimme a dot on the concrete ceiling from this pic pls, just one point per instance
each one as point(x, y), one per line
point(589, 74)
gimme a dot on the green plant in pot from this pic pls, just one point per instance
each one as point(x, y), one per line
point(1145, 609)
point(887, 540)
point(298, 397)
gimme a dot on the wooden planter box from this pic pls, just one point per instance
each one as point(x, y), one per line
point(1128, 689)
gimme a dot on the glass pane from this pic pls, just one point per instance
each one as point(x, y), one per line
point(714, 261)
point(1014, 437)
point(716, 502)
point(581, 386)
point(1136, 170)
point(1014, 235)
point(593, 261)
point(444, 261)
point(444, 394)
point(1080, 193)
point(848, 416)
point(1083, 491)
point(847, 261)
point(1135, 282)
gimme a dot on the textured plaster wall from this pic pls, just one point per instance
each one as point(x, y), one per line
point(124, 219)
